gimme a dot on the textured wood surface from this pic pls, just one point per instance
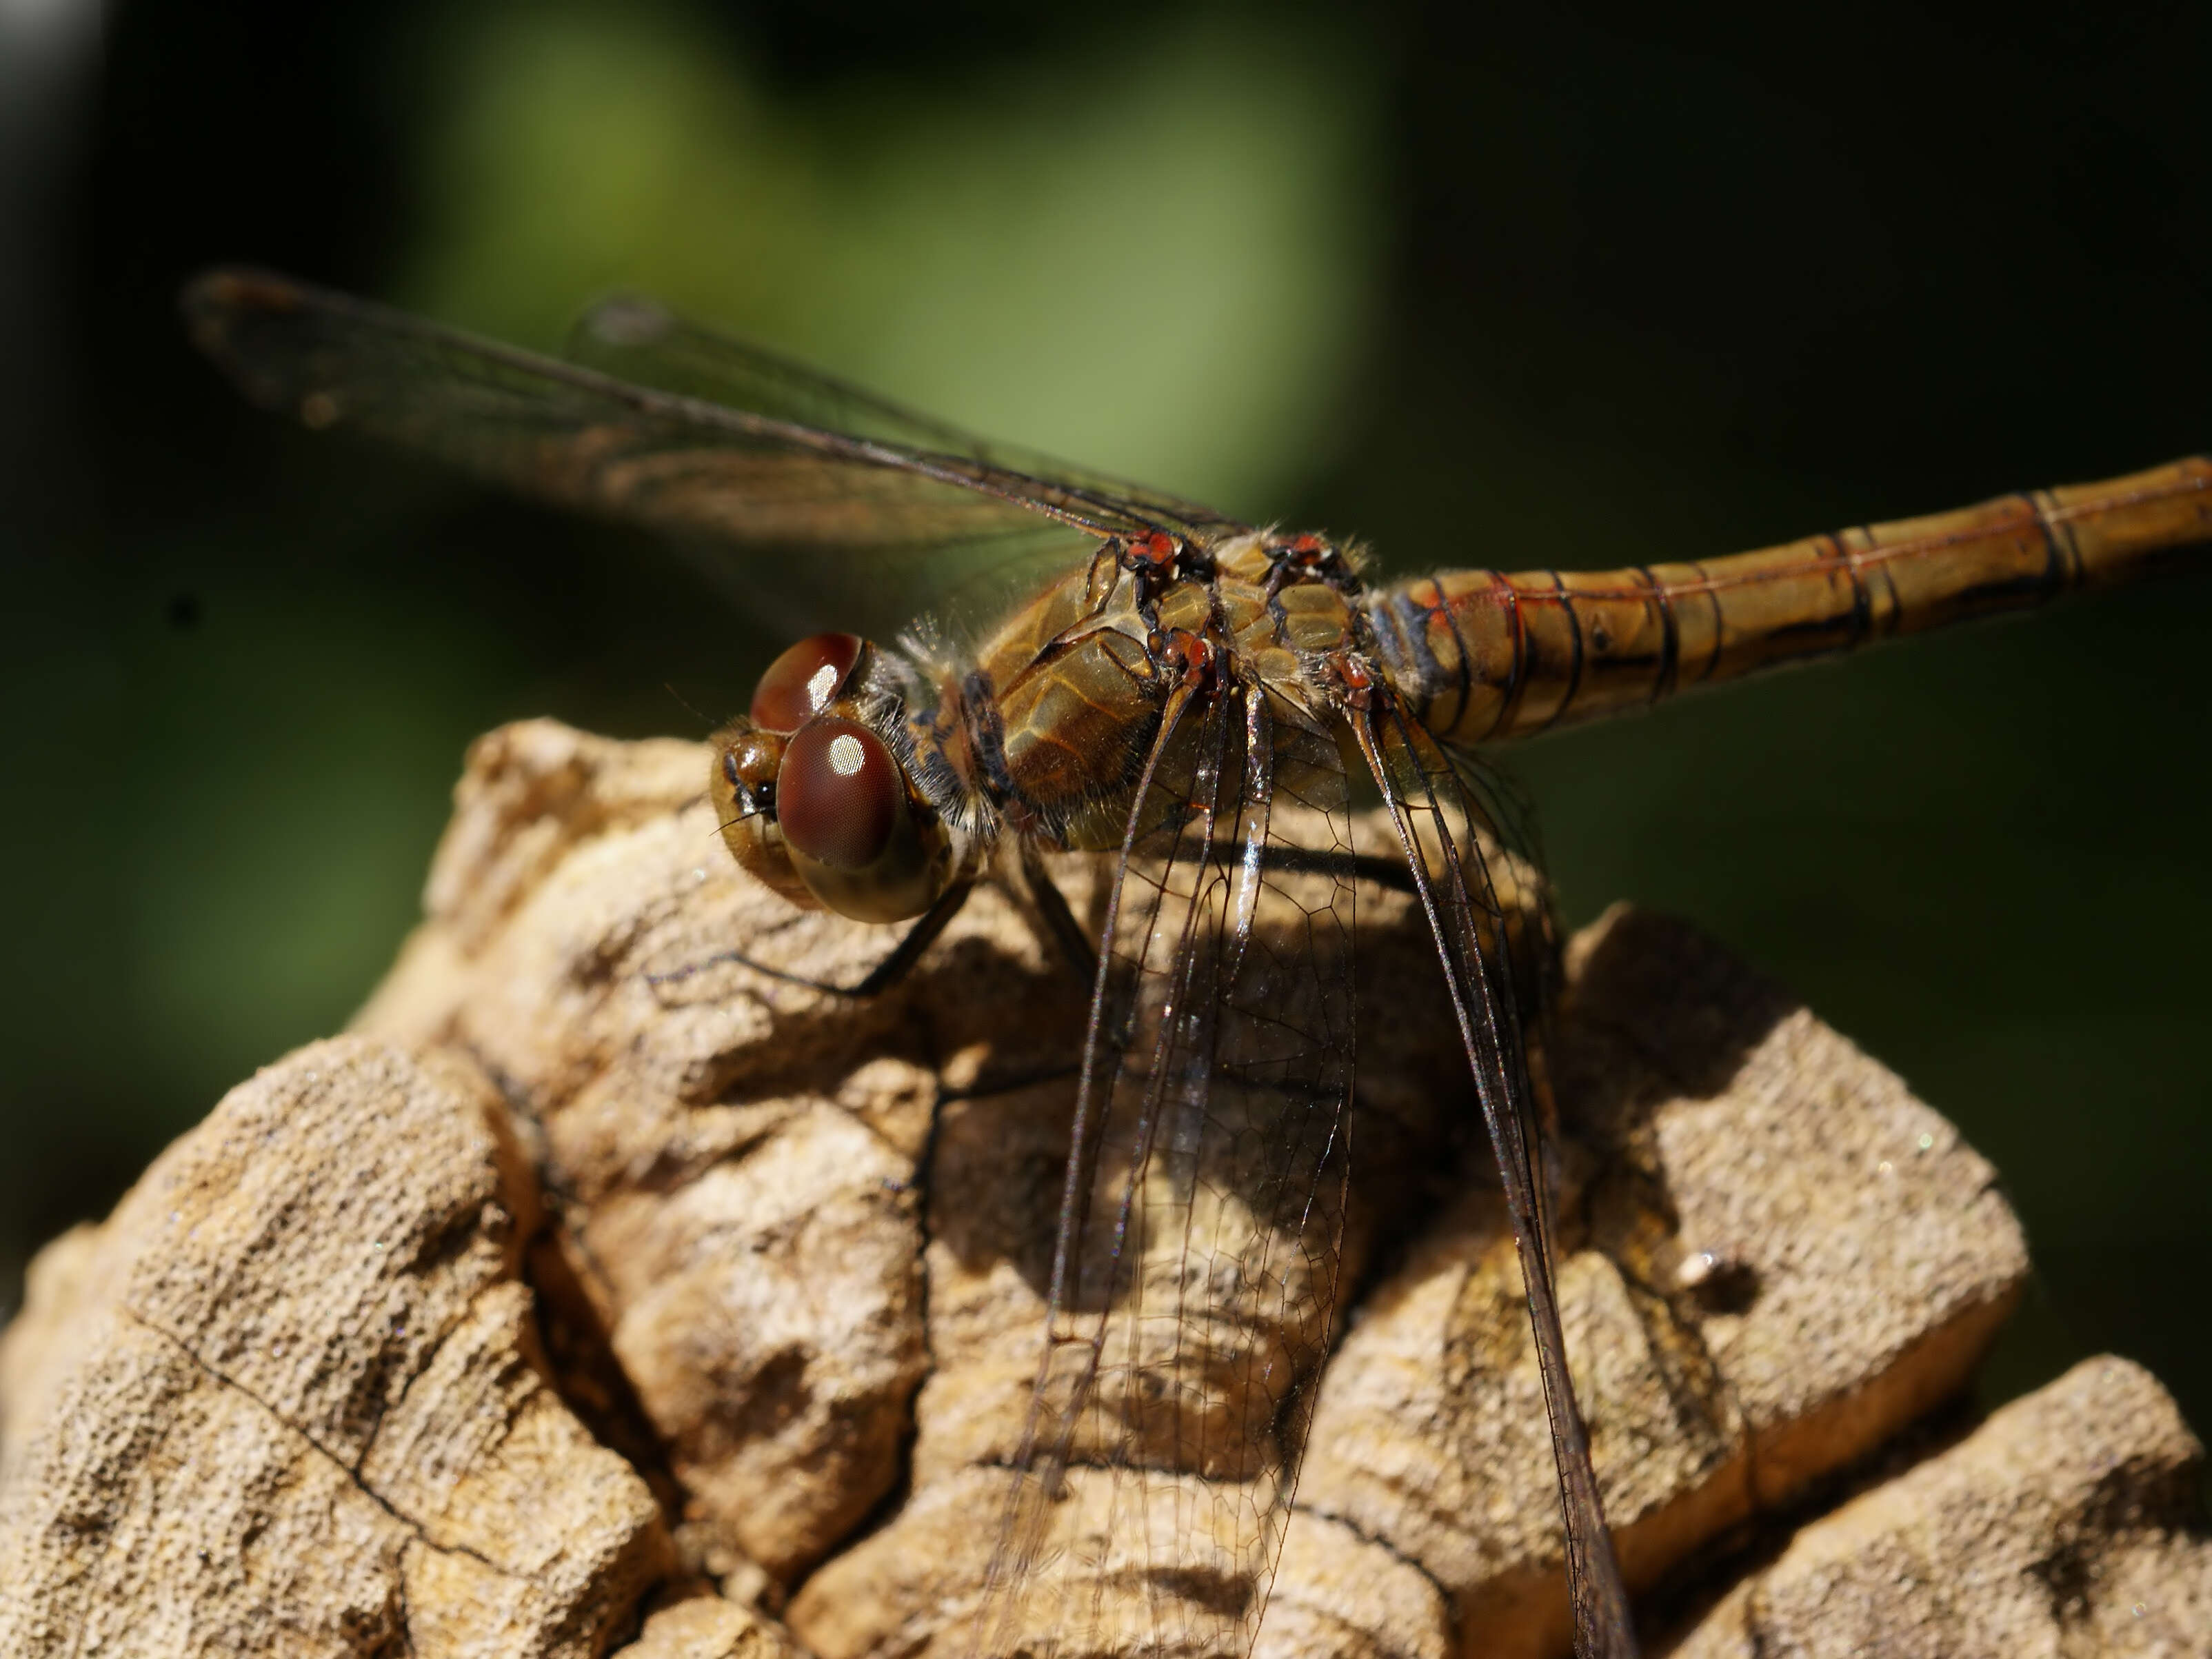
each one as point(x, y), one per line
point(595, 1295)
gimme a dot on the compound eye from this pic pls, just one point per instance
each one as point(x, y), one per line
point(799, 684)
point(842, 802)
point(840, 796)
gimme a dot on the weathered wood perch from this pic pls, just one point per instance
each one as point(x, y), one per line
point(563, 1309)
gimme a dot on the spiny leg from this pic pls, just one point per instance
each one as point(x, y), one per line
point(886, 974)
point(1075, 946)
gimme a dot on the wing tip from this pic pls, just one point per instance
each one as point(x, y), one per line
point(224, 291)
point(221, 306)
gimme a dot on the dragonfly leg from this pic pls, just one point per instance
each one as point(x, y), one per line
point(1052, 905)
point(886, 974)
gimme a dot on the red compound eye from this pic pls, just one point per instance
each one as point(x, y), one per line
point(799, 684)
point(840, 798)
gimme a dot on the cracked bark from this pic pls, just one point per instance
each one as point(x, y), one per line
point(421, 1534)
point(721, 1305)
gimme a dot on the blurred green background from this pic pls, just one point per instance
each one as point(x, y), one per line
point(1568, 286)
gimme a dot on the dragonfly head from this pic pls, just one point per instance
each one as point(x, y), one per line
point(814, 790)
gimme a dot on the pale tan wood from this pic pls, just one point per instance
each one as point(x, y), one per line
point(593, 1275)
point(284, 1399)
point(2066, 1524)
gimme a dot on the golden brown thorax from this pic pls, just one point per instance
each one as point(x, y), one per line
point(1075, 698)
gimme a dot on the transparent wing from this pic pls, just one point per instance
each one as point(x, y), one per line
point(863, 525)
point(1202, 1232)
point(1438, 808)
point(639, 340)
point(1520, 895)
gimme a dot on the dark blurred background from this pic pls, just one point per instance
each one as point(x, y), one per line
point(1518, 286)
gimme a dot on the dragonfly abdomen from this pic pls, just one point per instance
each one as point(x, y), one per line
point(1483, 654)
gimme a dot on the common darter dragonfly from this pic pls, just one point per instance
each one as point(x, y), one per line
point(1198, 701)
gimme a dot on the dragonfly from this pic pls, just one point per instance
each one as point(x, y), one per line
point(1197, 702)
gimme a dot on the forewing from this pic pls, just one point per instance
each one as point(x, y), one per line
point(1439, 808)
point(639, 340)
point(1201, 1243)
point(862, 524)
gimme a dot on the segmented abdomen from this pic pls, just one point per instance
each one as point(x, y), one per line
point(1483, 655)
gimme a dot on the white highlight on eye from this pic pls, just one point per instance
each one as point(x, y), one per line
point(846, 758)
point(821, 686)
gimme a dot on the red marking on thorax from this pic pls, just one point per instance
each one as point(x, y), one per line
point(1156, 550)
point(1189, 654)
point(1354, 678)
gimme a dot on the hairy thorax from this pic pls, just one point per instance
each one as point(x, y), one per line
point(1066, 702)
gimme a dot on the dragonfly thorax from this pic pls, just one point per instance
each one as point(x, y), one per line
point(1061, 713)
